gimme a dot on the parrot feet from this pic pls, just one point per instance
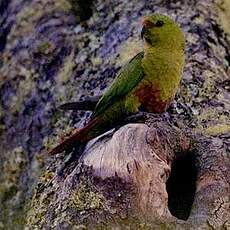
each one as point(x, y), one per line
point(139, 117)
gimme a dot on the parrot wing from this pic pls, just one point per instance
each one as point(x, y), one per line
point(126, 80)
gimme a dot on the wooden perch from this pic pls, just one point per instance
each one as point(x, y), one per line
point(140, 155)
point(151, 174)
point(162, 174)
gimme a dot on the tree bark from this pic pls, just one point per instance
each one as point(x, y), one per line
point(168, 171)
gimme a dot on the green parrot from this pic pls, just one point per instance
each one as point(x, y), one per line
point(148, 82)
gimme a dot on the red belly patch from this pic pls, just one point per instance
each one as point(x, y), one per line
point(149, 97)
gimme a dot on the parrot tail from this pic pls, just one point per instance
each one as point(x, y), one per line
point(80, 136)
point(89, 103)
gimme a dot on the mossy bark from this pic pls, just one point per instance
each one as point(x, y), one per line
point(168, 172)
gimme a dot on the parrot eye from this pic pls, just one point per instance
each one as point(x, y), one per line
point(159, 23)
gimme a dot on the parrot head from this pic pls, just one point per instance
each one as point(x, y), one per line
point(161, 31)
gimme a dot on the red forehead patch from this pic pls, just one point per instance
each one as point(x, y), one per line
point(148, 24)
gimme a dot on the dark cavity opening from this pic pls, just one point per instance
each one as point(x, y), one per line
point(181, 186)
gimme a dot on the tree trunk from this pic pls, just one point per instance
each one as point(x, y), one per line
point(169, 171)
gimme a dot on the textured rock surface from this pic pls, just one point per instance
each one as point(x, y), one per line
point(48, 57)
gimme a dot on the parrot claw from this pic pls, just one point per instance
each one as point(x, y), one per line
point(139, 117)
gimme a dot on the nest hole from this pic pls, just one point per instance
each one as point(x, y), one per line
point(181, 186)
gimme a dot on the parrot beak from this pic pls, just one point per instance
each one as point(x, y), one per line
point(147, 24)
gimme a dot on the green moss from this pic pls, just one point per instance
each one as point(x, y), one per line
point(17, 220)
point(28, 17)
point(144, 226)
point(85, 199)
point(45, 47)
point(212, 122)
point(217, 129)
point(12, 168)
point(224, 16)
point(38, 208)
point(208, 89)
point(79, 227)
point(25, 21)
point(24, 88)
point(47, 176)
point(66, 70)
point(63, 4)
point(207, 114)
point(8, 193)
point(2, 127)
point(10, 190)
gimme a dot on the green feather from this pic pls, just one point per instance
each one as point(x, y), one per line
point(130, 75)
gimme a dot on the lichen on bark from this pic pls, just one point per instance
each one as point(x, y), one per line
point(49, 56)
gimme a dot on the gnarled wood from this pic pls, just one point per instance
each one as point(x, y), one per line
point(166, 177)
point(142, 156)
